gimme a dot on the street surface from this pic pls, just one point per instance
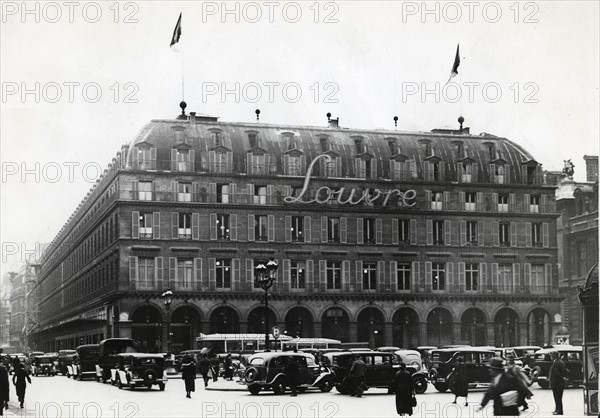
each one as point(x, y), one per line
point(62, 397)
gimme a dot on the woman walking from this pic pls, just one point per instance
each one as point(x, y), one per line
point(204, 369)
point(461, 383)
point(4, 389)
point(188, 374)
point(404, 391)
point(20, 380)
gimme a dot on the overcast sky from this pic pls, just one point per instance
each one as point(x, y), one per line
point(528, 72)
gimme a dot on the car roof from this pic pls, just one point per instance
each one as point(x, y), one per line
point(524, 347)
point(561, 348)
point(271, 354)
point(466, 349)
point(141, 355)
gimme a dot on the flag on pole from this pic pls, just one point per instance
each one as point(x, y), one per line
point(454, 71)
point(176, 32)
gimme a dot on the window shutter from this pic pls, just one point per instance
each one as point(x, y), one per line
point(213, 226)
point(212, 274)
point(545, 235)
point(135, 224)
point(288, 228)
point(322, 285)
point(382, 284)
point(450, 279)
point(286, 276)
point(461, 200)
point(528, 241)
point(494, 277)
point(173, 159)
point(195, 192)
point(271, 195)
point(442, 166)
point(251, 236)
point(134, 165)
point(134, 188)
point(517, 285)
point(394, 231)
point(158, 272)
point(195, 226)
point(233, 227)
point(461, 277)
point(346, 282)
point(463, 233)
point(413, 232)
point(446, 200)
point(358, 275)
point(428, 203)
point(197, 273)
point(483, 280)
point(547, 277)
point(172, 270)
point(174, 190)
point(153, 158)
point(527, 274)
point(249, 284)
point(204, 226)
point(303, 165)
point(236, 275)
point(343, 229)
point(323, 228)
point(479, 201)
point(271, 228)
point(495, 202)
point(526, 203)
point(416, 274)
point(359, 231)
point(428, 279)
point(427, 172)
point(496, 233)
point(373, 168)
point(212, 192)
point(192, 160)
point(543, 203)
point(394, 276)
point(429, 224)
point(513, 234)
point(378, 231)
point(512, 202)
point(447, 236)
point(310, 276)
point(174, 225)
point(307, 229)
point(156, 225)
point(286, 163)
point(506, 174)
point(480, 234)
point(474, 173)
point(133, 268)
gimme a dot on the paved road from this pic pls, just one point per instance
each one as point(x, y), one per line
point(63, 397)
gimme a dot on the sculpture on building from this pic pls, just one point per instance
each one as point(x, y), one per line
point(569, 168)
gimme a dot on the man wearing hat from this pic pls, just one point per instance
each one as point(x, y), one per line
point(558, 380)
point(504, 390)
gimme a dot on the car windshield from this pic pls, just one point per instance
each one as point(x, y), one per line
point(258, 361)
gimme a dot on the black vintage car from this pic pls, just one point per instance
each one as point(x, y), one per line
point(572, 356)
point(108, 351)
point(45, 364)
point(65, 359)
point(84, 362)
point(266, 371)
point(140, 369)
point(476, 364)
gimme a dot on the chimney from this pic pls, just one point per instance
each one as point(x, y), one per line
point(334, 123)
point(591, 168)
point(192, 117)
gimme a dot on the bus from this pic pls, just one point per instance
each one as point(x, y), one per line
point(311, 344)
point(239, 343)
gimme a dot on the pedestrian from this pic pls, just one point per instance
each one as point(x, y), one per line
point(524, 382)
point(4, 389)
point(405, 391)
point(357, 377)
point(228, 364)
point(461, 381)
point(205, 369)
point(293, 374)
point(20, 380)
point(214, 368)
point(188, 374)
point(503, 390)
point(558, 380)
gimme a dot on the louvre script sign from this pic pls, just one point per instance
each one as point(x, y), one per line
point(325, 195)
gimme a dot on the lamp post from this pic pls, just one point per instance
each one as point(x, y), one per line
point(167, 298)
point(264, 277)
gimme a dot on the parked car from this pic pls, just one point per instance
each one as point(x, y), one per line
point(572, 356)
point(45, 364)
point(476, 361)
point(266, 371)
point(65, 359)
point(84, 362)
point(140, 369)
point(108, 351)
point(416, 367)
point(525, 353)
point(388, 349)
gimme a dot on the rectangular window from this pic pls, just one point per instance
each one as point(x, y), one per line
point(294, 167)
point(534, 203)
point(223, 227)
point(438, 232)
point(504, 233)
point(536, 234)
point(404, 275)
point(438, 276)
point(297, 271)
point(220, 164)
point(369, 275)
point(369, 230)
point(260, 195)
point(470, 201)
point(144, 160)
point(297, 228)
point(500, 174)
point(260, 228)
point(505, 278)
point(334, 275)
point(503, 202)
point(223, 273)
point(471, 276)
point(183, 160)
point(146, 225)
point(437, 172)
point(404, 231)
point(184, 192)
point(145, 273)
point(222, 193)
point(331, 168)
point(472, 232)
point(185, 226)
point(436, 200)
point(333, 229)
point(184, 273)
point(467, 173)
point(145, 190)
point(537, 279)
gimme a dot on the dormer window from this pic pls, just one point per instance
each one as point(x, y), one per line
point(144, 157)
point(460, 150)
point(324, 144)
point(426, 143)
point(290, 140)
point(253, 139)
point(358, 144)
point(393, 146)
point(492, 151)
point(217, 138)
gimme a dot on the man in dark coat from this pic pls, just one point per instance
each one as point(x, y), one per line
point(293, 374)
point(4, 389)
point(188, 374)
point(405, 389)
point(204, 369)
point(357, 376)
point(461, 382)
point(558, 380)
point(504, 390)
point(20, 380)
point(228, 366)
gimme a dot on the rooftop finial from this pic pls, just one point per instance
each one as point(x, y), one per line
point(182, 105)
point(461, 120)
point(395, 121)
point(257, 111)
point(328, 116)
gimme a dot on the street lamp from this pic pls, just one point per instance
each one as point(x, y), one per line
point(167, 298)
point(264, 277)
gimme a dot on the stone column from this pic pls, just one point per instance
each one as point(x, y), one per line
point(317, 329)
point(423, 333)
point(456, 332)
point(388, 329)
point(243, 327)
point(124, 329)
point(352, 330)
point(489, 333)
point(522, 333)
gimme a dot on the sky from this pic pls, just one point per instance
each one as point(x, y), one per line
point(81, 79)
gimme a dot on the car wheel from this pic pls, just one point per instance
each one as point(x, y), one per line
point(441, 387)
point(301, 389)
point(132, 386)
point(420, 384)
point(326, 386)
point(119, 384)
point(544, 384)
point(254, 389)
point(279, 386)
point(161, 386)
point(251, 374)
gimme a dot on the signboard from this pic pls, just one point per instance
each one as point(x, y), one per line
point(276, 332)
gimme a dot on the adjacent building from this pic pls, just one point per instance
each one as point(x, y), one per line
point(389, 237)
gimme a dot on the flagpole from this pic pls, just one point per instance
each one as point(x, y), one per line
point(182, 79)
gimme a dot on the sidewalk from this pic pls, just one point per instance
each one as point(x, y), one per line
point(225, 385)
